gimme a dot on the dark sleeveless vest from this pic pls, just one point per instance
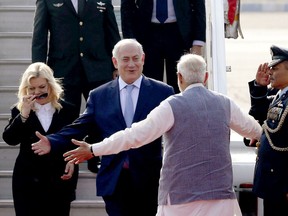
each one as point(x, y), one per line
point(197, 162)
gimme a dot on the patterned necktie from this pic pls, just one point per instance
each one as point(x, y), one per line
point(81, 5)
point(129, 110)
point(161, 10)
point(128, 116)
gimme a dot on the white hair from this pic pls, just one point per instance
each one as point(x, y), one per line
point(192, 68)
point(123, 42)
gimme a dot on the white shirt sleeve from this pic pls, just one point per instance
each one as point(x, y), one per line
point(243, 123)
point(159, 120)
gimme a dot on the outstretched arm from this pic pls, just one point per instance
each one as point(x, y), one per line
point(80, 154)
point(160, 120)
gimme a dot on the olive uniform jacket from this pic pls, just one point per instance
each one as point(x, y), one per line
point(89, 38)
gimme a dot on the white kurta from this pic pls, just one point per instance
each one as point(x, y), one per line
point(159, 121)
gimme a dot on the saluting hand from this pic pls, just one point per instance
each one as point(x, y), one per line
point(79, 154)
point(42, 146)
point(262, 75)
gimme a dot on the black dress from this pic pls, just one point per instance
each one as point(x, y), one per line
point(36, 184)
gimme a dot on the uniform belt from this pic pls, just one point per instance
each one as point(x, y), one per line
point(164, 24)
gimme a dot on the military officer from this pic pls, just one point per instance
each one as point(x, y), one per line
point(271, 170)
point(75, 38)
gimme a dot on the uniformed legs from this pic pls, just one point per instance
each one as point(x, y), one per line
point(273, 207)
point(77, 86)
point(164, 45)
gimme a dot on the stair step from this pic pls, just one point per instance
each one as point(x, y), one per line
point(78, 207)
point(19, 3)
point(9, 95)
point(11, 71)
point(86, 187)
point(75, 203)
point(20, 18)
point(88, 208)
point(3, 122)
point(17, 18)
point(15, 45)
point(15, 56)
point(8, 155)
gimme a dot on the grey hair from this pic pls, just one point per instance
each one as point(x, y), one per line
point(192, 68)
point(123, 42)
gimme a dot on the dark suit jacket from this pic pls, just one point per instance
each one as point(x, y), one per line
point(191, 19)
point(38, 177)
point(97, 27)
point(271, 170)
point(103, 116)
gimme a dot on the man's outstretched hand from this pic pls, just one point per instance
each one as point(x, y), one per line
point(43, 146)
point(79, 154)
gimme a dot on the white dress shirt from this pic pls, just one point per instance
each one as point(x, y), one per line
point(171, 18)
point(45, 114)
point(134, 93)
point(171, 13)
point(75, 4)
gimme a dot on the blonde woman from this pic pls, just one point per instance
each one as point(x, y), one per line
point(42, 185)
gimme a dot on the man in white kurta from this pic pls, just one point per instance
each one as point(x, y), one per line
point(196, 177)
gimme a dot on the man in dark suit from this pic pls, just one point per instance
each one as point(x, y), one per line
point(128, 181)
point(80, 43)
point(271, 170)
point(165, 39)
